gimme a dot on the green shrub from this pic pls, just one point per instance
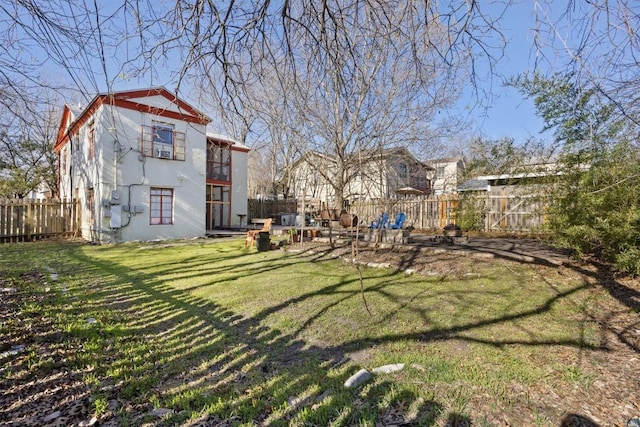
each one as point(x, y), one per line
point(471, 213)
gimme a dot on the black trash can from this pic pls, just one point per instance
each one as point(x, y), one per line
point(264, 241)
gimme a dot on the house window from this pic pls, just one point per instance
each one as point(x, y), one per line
point(161, 212)
point(63, 161)
point(440, 172)
point(91, 211)
point(218, 162)
point(92, 140)
point(162, 141)
point(403, 170)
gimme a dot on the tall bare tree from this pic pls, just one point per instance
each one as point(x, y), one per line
point(344, 56)
point(598, 42)
point(340, 78)
point(27, 135)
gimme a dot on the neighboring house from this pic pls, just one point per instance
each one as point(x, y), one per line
point(447, 174)
point(529, 179)
point(142, 167)
point(41, 192)
point(372, 175)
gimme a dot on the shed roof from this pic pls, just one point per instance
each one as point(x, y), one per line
point(474, 185)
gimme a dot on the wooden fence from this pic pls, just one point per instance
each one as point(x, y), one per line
point(29, 220)
point(422, 213)
point(514, 212)
point(504, 212)
point(488, 212)
point(270, 208)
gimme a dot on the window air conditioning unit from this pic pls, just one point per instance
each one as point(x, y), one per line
point(163, 154)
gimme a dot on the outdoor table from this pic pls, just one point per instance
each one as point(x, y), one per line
point(258, 222)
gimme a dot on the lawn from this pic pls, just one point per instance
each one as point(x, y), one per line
point(209, 333)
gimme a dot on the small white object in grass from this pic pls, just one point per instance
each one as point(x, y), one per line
point(88, 423)
point(358, 378)
point(161, 412)
point(13, 351)
point(387, 369)
point(91, 320)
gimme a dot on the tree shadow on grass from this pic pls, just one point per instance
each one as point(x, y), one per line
point(534, 252)
point(203, 358)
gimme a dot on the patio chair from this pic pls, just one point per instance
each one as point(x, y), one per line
point(252, 234)
point(399, 222)
point(381, 222)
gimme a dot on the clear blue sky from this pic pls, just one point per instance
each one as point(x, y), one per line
point(509, 114)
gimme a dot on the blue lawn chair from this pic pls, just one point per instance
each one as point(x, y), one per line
point(381, 222)
point(399, 222)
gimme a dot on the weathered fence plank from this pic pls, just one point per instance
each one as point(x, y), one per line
point(422, 213)
point(29, 220)
point(502, 212)
point(506, 212)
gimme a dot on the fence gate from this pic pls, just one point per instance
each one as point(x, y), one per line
point(514, 212)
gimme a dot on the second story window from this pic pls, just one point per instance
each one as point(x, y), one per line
point(440, 172)
point(218, 161)
point(403, 172)
point(161, 141)
point(92, 140)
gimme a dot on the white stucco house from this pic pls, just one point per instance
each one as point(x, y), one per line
point(369, 176)
point(447, 174)
point(143, 167)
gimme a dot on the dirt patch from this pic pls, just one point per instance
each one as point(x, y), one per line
point(434, 255)
point(38, 387)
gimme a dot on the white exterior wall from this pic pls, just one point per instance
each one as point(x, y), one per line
point(118, 165)
point(239, 186)
point(309, 184)
point(64, 173)
point(137, 175)
point(86, 174)
point(449, 182)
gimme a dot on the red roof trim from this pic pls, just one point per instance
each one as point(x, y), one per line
point(121, 99)
point(144, 93)
point(66, 116)
point(64, 134)
point(131, 105)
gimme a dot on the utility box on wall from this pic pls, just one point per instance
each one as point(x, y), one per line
point(115, 197)
point(116, 217)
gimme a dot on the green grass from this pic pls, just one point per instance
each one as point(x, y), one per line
point(216, 332)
